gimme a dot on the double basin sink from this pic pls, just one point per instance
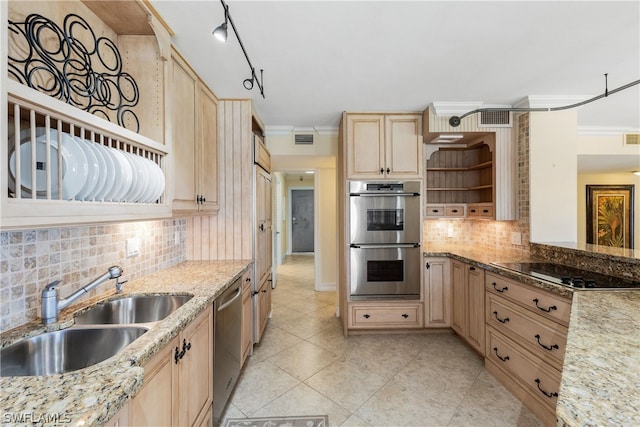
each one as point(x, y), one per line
point(98, 334)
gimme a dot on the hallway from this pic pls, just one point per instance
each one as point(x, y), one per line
point(304, 366)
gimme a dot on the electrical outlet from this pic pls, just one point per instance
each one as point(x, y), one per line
point(516, 238)
point(450, 231)
point(133, 247)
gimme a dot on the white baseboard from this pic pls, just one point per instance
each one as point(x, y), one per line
point(326, 287)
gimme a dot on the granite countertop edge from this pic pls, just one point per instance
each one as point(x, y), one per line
point(93, 395)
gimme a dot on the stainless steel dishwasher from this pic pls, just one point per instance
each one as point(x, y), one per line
point(226, 346)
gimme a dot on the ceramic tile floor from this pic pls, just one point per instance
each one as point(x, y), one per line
point(304, 366)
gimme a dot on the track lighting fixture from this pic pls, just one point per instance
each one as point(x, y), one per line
point(220, 33)
point(454, 121)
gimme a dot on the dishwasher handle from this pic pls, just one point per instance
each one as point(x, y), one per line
point(230, 301)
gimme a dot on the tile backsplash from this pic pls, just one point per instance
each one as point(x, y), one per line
point(30, 259)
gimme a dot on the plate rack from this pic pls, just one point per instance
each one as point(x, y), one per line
point(32, 114)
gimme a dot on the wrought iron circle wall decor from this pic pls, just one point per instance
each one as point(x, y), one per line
point(73, 65)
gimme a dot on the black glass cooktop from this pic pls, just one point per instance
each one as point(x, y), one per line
point(570, 276)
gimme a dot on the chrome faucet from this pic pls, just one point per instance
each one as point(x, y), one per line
point(51, 305)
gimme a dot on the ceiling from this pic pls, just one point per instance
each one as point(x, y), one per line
point(324, 57)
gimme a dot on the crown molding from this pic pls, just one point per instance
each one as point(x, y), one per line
point(604, 130)
point(446, 109)
point(278, 130)
point(550, 101)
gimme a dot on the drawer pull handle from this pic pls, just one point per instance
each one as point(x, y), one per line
point(472, 269)
point(176, 355)
point(485, 210)
point(366, 316)
point(435, 210)
point(504, 359)
point(506, 288)
point(554, 346)
point(505, 320)
point(544, 392)
point(406, 316)
point(454, 210)
point(547, 310)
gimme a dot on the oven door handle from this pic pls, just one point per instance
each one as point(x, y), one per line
point(384, 245)
point(384, 194)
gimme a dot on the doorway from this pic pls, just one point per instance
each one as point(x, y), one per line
point(302, 221)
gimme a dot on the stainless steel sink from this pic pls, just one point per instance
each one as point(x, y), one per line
point(133, 309)
point(66, 350)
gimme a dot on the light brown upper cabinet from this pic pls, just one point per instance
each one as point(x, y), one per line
point(194, 136)
point(383, 146)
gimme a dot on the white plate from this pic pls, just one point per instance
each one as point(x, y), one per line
point(147, 178)
point(159, 181)
point(124, 176)
point(74, 165)
point(141, 178)
point(108, 172)
point(93, 169)
point(102, 170)
point(153, 181)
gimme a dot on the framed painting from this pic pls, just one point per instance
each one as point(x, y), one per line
point(610, 215)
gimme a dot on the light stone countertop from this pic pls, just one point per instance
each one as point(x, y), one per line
point(601, 372)
point(91, 396)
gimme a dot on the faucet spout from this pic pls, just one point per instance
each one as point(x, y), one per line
point(51, 305)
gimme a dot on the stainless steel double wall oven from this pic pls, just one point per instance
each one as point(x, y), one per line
point(385, 234)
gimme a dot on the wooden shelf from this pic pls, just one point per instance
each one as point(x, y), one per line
point(484, 165)
point(481, 187)
point(448, 189)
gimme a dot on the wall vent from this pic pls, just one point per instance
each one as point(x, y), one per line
point(632, 139)
point(495, 119)
point(303, 139)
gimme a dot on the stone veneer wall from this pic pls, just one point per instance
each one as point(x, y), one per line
point(30, 259)
point(488, 234)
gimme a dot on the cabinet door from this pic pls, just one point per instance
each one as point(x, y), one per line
point(184, 173)
point(154, 404)
point(263, 224)
point(403, 146)
point(475, 308)
point(458, 298)
point(207, 158)
point(437, 276)
point(264, 308)
point(196, 369)
point(365, 146)
point(247, 316)
point(121, 419)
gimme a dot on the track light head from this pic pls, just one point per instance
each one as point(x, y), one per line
point(221, 32)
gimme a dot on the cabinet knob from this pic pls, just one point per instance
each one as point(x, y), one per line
point(381, 171)
point(366, 316)
point(405, 315)
point(472, 268)
point(388, 170)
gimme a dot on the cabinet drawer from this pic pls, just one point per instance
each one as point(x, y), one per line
point(434, 210)
point(544, 338)
point(538, 301)
point(455, 211)
point(481, 210)
point(538, 378)
point(382, 316)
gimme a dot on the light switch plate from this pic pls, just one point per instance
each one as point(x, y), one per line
point(133, 247)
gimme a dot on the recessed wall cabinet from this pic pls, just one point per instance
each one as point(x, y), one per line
point(467, 283)
point(383, 146)
point(459, 182)
point(470, 170)
point(526, 341)
point(194, 118)
point(178, 380)
point(437, 292)
point(78, 131)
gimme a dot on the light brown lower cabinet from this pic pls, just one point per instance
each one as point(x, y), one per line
point(468, 303)
point(246, 338)
point(526, 339)
point(437, 292)
point(264, 308)
point(120, 419)
point(386, 315)
point(178, 380)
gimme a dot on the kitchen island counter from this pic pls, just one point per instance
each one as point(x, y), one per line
point(600, 376)
point(93, 395)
